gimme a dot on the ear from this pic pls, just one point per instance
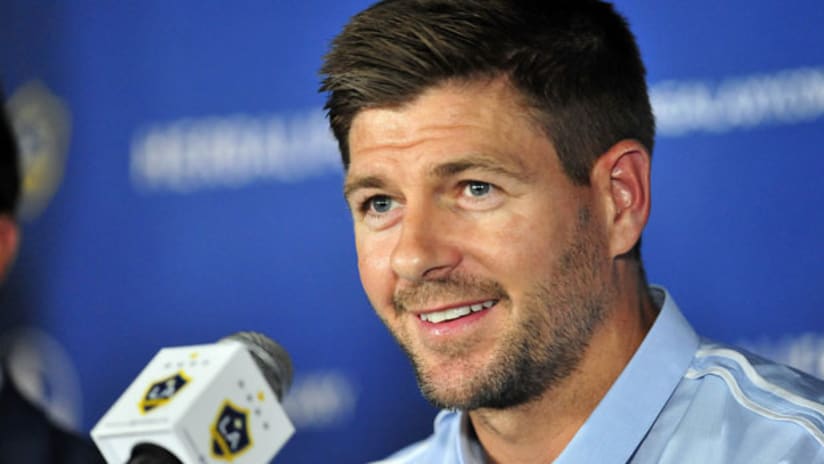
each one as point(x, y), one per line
point(621, 177)
point(9, 239)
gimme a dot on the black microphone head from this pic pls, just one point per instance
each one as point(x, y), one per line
point(271, 358)
point(148, 453)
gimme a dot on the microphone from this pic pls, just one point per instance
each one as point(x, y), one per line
point(202, 404)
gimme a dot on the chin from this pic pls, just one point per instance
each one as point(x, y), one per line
point(449, 386)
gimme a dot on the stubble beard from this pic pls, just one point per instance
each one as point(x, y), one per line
point(543, 348)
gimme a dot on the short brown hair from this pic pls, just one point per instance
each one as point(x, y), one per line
point(575, 61)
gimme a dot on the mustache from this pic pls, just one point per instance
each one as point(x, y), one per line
point(452, 287)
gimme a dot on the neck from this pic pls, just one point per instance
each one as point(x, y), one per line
point(539, 431)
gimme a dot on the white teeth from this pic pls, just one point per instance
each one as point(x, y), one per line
point(454, 313)
point(447, 315)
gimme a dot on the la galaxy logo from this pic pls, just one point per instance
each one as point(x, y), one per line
point(41, 124)
point(162, 391)
point(230, 432)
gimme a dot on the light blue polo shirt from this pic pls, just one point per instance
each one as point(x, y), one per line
point(681, 399)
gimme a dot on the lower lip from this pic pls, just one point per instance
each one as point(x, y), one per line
point(455, 325)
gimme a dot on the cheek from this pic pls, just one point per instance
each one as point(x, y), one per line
point(523, 242)
point(374, 268)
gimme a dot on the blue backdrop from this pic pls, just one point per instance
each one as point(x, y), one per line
point(181, 184)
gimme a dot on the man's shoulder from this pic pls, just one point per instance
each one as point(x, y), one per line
point(734, 406)
point(768, 389)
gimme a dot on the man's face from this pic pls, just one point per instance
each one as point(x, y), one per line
point(482, 258)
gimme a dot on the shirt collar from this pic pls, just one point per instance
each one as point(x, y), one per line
point(639, 394)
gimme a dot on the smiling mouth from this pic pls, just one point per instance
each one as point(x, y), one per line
point(451, 314)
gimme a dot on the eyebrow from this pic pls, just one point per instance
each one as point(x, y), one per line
point(364, 182)
point(445, 170)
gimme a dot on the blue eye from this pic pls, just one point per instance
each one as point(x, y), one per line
point(478, 189)
point(379, 204)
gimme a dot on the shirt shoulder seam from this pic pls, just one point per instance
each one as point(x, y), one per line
point(811, 424)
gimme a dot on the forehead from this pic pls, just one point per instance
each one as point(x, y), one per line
point(485, 110)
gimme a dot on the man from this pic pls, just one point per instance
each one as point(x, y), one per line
point(497, 158)
point(26, 434)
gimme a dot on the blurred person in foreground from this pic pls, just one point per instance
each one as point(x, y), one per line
point(497, 157)
point(27, 435)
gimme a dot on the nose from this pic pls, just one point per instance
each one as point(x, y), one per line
point(425, 249)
